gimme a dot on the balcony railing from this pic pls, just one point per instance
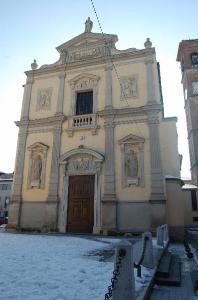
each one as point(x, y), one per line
point(82, 122)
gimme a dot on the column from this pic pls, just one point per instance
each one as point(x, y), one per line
point(26, 99)
point(59, 107)
point(157, 187)
point(150, 82)
point(16, 198)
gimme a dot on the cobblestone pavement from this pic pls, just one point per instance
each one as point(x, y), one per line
point(189, 272)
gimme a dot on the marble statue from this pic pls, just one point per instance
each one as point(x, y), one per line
point(88, 25)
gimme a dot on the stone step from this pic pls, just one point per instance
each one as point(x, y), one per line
point(174, 276)
point(164, 265)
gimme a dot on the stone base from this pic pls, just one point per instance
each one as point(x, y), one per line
point(13, 213)
point(34, 215)
point(109, 215)
point(158, 214)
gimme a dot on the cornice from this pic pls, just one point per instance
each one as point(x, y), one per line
point(42, 122)
point(135, 111)
point(122, 55)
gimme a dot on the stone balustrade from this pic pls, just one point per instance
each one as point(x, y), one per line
point(82, 122)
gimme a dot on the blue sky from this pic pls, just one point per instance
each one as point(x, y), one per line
point(32, 29)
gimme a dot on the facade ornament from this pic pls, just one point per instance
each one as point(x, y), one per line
point(148, 43)
point(37, 165)
point(34, 65)
point(44, 99)
point(128, 87)
point(88, 25)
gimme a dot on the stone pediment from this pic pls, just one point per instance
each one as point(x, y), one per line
point(131, 139)
point(87, 45)
point(38, 146)
point(88, 38)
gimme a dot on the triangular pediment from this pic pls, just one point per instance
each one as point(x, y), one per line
point(131, 139)
point(83, 76)
point(38, 146)
point(87, 39)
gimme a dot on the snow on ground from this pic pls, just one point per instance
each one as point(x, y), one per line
point(41, 267)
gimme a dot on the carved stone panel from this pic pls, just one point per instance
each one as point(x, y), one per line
point(44, 99)
point(37, 165)
point(128, 86)
point(81, 164)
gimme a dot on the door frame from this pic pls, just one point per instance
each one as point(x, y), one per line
point(81, 161)
point(90, 198)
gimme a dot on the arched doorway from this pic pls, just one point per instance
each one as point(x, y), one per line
point(79, 209)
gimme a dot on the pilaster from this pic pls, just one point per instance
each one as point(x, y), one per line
point(150, 81)
point(16, 199)
point(26, 99)
point(108, 86)
point(157, 187)
point(59, 107)
point(53, 186)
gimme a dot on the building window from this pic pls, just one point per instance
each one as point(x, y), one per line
point(194, 200)
point(195, 87)
point(5, 187)
point(84, 103)
point(194, 59)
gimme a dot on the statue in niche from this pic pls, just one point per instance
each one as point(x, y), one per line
point(131, 164)
point(36, 171)
point(88, 25)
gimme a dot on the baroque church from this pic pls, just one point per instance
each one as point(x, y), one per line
point(94, 147)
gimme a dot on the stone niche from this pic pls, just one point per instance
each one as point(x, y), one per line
point(132, 160)
point(37, 165)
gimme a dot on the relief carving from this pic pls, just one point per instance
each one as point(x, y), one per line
point(128, 87)
point(81, 164)
point(44, 99)
point(86, 53)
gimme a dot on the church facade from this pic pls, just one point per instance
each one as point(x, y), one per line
point(94, 146)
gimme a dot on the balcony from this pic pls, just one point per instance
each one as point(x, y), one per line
point(82, 122)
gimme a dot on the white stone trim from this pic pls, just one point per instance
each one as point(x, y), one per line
point(81, 161)
point(137, 143)
point(84, 82)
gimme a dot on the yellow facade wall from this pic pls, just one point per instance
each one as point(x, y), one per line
point(44, 83)
point(168, 144)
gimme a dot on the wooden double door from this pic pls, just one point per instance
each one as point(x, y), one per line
point(81, 204)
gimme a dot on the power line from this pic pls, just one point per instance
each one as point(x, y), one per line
point(110, 56)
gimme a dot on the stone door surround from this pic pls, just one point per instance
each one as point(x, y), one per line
point(80, 161)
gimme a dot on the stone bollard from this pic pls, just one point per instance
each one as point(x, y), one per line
point(125, 285)
point(166, 233)
point(160, 236)
point(148, 260)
